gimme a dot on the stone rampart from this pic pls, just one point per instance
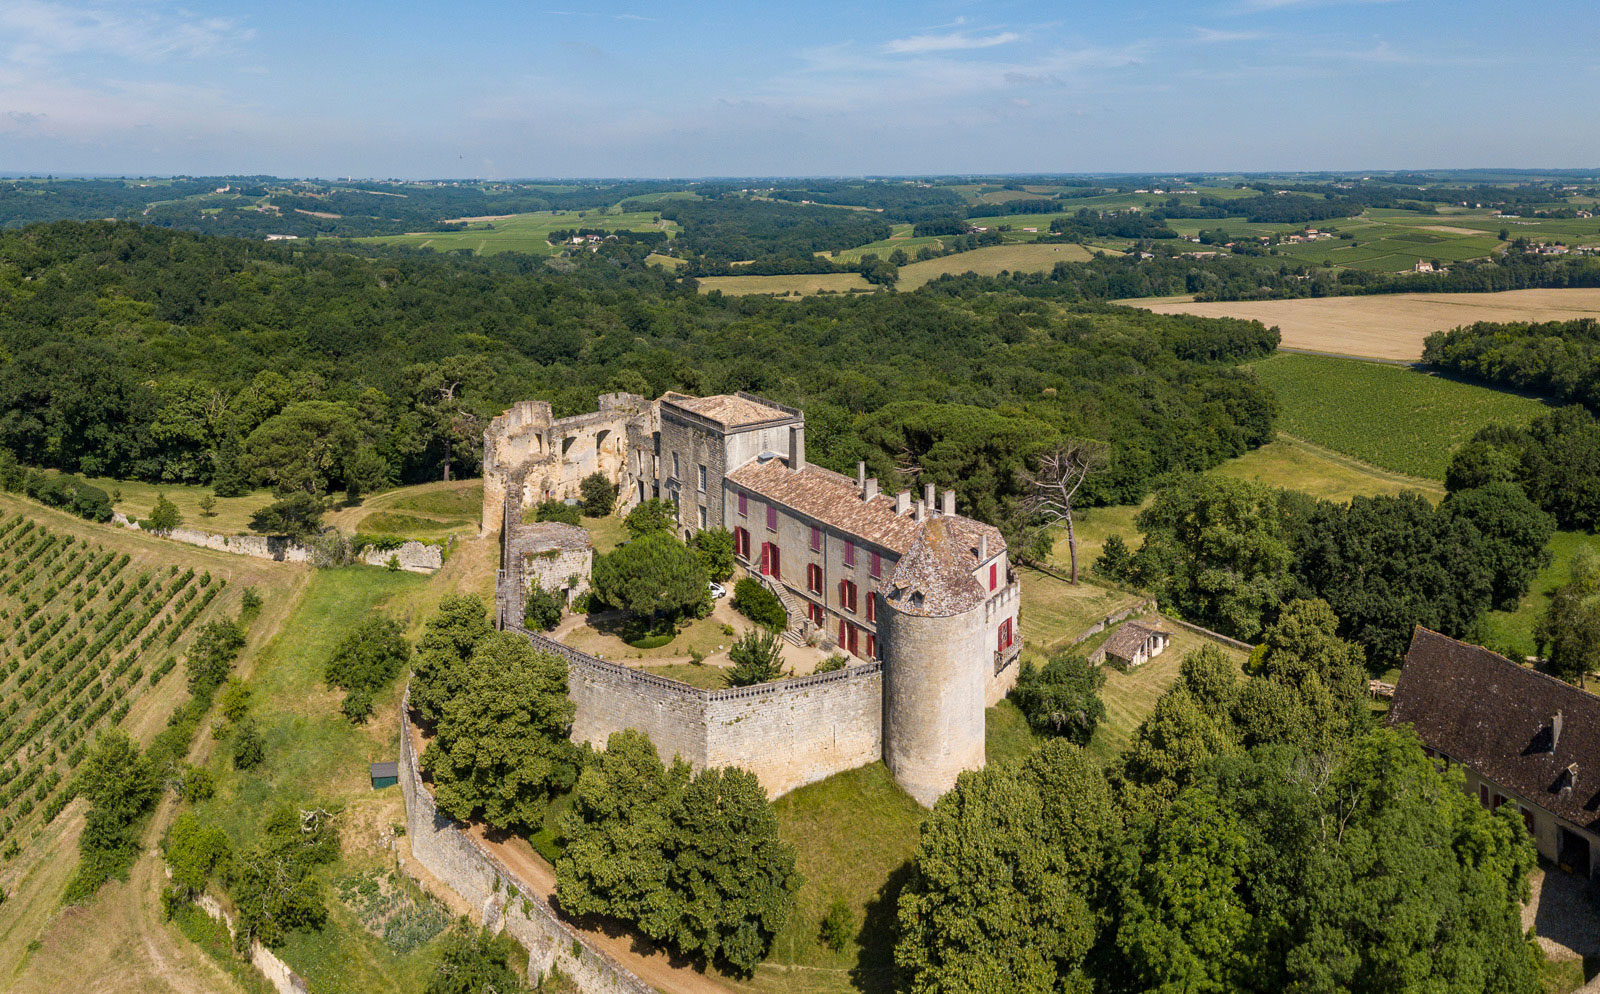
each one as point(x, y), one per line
point(502, 899)
point(414, 557)
point(277, 972)
point(417, 557)
point(789, 733)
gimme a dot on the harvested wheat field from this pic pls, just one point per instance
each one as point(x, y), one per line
point(1385, 326)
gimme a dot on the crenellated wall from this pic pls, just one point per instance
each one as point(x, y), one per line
point(789, 733)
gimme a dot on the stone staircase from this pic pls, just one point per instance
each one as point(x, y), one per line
point(799, 626)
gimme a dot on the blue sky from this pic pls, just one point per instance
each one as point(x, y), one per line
point(505, 90)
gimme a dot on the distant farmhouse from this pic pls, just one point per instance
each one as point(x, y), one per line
point(1521, 737)
point(922, 598)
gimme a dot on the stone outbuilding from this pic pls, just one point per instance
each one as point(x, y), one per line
point(1131, 645)
point(554, 555)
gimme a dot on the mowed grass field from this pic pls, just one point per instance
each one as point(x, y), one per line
point(799, 285)
point(1513, 630)
point(528, 233)
point(1385, 326)
point(1025, 257)
point(1394, 417)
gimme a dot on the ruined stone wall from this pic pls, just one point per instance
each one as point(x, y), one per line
point(277, 972)
point(559, 569)
point(535, 457)
point(414, 557)
point(788, 734)
point(502, 899)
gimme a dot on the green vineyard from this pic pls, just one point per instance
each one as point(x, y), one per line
point(87, 631)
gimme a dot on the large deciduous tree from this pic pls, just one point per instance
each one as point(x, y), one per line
point(501, 748)
point(440, 668)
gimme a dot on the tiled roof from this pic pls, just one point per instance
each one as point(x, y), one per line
point(1495, 717)
point(728, 410)
point(832, 499)
point(1127, 640)
point(934, 578)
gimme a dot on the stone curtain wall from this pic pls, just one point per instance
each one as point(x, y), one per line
point(417, 557)
point(788, 733)
point(502, 900)
point(277, 972)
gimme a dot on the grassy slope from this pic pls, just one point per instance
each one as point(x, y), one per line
point(804, 283)
point(1514, 629)
point(994, 259)
point(524, 232)
point(1393, 417)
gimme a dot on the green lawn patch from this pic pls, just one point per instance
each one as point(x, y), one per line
point(464, 501)
point(1393, 417)
point(395, 523)
point(1513, 630)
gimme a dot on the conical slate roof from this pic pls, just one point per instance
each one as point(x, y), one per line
point(934, 579)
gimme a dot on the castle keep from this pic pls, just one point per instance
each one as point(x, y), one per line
point(904, 585)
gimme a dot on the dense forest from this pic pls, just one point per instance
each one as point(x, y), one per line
point(1560, 359)
point(155, 354)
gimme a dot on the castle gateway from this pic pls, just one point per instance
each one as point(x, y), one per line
point(923, 599)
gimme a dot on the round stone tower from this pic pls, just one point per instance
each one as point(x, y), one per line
point(935, 645)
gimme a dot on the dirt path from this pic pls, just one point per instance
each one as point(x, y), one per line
point(653, 966)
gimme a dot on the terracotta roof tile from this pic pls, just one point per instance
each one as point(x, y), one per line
point(1128, 639)
point(832, 499)
point(1494, 716)
point(728, 410)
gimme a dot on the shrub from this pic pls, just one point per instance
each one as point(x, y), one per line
point(542, 610)
point(599, 495)
point(757, 657)
point(651, 516)
point(838, 925)
point(759, 604)
point(357, 705)
point(248, 749)
point(837, 661)
point(1063, 698)
point(557, 510)
point(369, 656)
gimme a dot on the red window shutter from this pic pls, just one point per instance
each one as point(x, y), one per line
point(772, 518)
point(841, 592)
point(816, 539)
point(872, 606)
point(994, 573)
point(877, 564)
point(872, 645)
point(849, 553)
point(841, 632)
point(744, 504)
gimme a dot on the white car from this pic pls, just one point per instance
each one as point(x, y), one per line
point(718, 591)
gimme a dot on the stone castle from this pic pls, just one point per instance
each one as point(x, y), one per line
point(922, 599)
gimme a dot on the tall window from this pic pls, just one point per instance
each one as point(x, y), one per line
point(702, 479)
point(772, 518)
point(849, 553)
point(741, 543)
point(876, 564)
point(1003, 638)
point(744, 504)
point(816, 539)
point(994, 575)
point(814, 578)
point(702, 515)
point(847, 595)
point(872, 646)
point(872, 606)
point(675, 466)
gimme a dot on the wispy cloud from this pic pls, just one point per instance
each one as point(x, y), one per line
point(954, 41)
point(36, 31)
point(1211, 36)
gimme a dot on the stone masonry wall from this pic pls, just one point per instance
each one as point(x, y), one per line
point(416, 557)
point(277, 972)
point(502, 900)
point(788, 734)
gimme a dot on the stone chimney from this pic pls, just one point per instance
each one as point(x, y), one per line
point(797, 447)
point(872, 488)
point(922, 510)
point(948, 508)
point(983, 548)
point(902, 502)
point(861, 475)
point(927, 495)
point(1555, 732)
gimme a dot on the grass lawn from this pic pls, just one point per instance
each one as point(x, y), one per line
point(231, 516)
point(1514, 629)
point(1054, 611)
point(1324, 473)
point(853, 833)
point(1395, 418)
point(607, 532)
point(524, 232)
point(314, 757)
